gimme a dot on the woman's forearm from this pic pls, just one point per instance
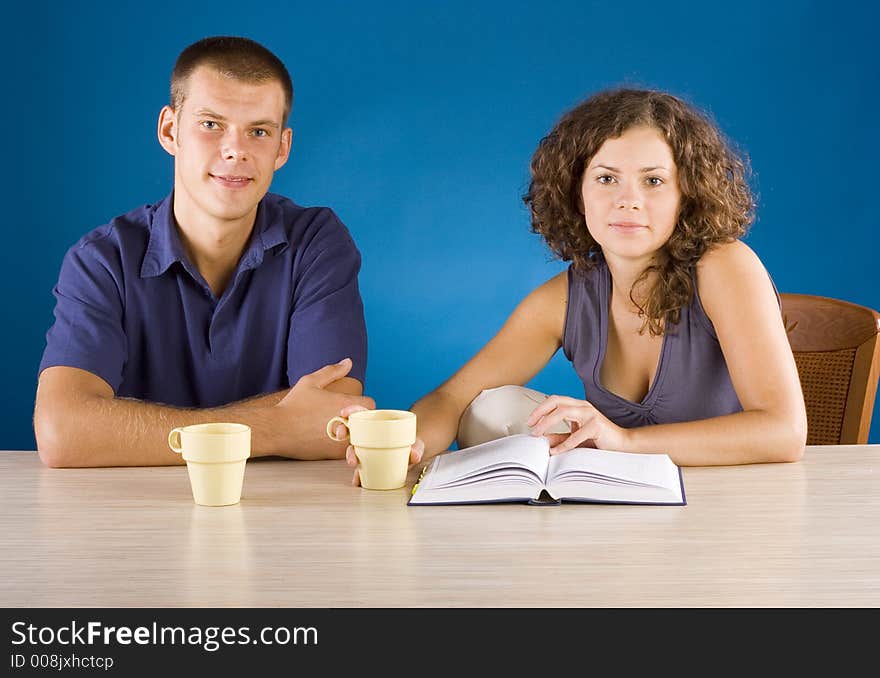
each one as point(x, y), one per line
point(751, 437)
point(437, 415)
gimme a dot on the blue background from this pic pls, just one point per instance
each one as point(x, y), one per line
point(416, 125)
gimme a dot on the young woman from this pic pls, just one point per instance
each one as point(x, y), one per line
point(669, 319)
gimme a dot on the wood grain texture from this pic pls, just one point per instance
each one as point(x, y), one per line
point(804, 534)
point(836, 345)
point(824, 324)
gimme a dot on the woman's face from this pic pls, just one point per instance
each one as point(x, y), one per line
point(630, 194)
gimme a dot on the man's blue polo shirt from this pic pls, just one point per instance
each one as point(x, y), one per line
point(132, 309)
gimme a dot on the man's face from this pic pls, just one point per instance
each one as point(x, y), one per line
point(227, 140)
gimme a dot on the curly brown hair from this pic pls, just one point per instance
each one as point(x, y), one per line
point(717, 205)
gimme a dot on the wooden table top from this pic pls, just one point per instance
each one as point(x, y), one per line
point(780, 535)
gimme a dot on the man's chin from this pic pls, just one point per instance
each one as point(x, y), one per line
point(234, 207)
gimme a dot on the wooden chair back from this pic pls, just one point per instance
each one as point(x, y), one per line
point(836, 346)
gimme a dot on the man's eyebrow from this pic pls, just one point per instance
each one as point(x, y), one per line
point(217, 116)
point(643, 169)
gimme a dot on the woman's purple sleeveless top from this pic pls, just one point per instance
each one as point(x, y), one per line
point(692, 381)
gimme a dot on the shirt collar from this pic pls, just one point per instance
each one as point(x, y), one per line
point(165, 247)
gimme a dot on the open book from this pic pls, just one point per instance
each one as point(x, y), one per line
point(519, 468)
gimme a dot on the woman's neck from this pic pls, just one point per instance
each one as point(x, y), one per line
point(624, 274)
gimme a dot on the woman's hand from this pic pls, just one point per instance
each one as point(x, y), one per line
point(589, 427)
point(415, 453)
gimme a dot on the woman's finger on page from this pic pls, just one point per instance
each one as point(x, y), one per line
point(561, 413)
point(563, 446)
point(555, 438)
point(571, 442)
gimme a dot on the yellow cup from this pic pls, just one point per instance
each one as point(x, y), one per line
point(382, 440)
point(215, 456)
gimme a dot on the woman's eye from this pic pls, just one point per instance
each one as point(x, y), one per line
point(605, 179)
point(654, 181)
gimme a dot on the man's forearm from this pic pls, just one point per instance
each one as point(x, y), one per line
point(98, 431)
point(265, 400)
point(79, 422)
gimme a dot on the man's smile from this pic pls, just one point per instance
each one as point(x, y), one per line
point(231, 180)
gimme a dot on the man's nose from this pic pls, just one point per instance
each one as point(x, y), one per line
point(233, 146)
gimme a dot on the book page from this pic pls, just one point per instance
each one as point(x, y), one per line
point(519, 456)
point(493, 490)
point(604, 475)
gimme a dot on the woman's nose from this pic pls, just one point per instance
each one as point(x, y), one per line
point(629, 197)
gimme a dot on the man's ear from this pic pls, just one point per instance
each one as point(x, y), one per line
point(167, 130)
point(284, 148)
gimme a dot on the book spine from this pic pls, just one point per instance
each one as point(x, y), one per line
point(421, 475)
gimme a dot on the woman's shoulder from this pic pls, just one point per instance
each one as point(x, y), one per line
point(545, 306)
point(726, 262)
point(730, 272)
point(572, 284)
point(553, 290)
point(734, 253)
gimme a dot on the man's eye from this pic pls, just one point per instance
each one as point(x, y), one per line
point(260, 132)
point(209, 124)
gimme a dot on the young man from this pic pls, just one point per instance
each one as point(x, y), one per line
point(220, 303)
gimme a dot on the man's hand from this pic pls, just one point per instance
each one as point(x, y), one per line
point(307, 408)
point(415, 453)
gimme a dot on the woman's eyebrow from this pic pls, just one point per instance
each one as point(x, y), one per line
point(644, 169)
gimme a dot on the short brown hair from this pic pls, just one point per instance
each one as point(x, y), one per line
point(239, 58)
point(716, 203)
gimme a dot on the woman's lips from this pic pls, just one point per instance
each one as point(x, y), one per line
point(626, 226)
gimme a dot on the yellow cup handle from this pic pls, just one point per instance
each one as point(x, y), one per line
point(331, 430)
point(175, 435)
